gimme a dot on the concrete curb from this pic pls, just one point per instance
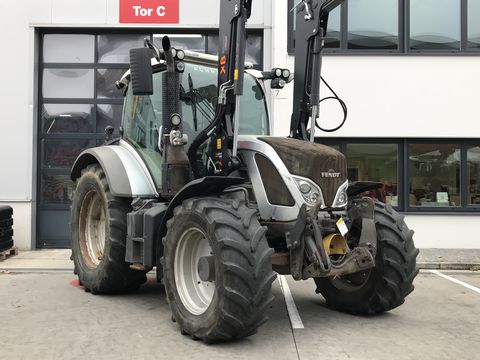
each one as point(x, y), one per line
point(448, 266)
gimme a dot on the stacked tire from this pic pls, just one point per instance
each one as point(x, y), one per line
point(6, 231)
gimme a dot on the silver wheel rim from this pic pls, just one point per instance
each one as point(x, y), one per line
point(93, 230)
point(196, 295)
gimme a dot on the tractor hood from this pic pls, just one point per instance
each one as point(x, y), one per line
point(327, 167)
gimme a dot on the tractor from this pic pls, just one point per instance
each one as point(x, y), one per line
point(196, 188)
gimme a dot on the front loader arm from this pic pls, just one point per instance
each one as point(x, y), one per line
point(231, 66)
point(312, 19)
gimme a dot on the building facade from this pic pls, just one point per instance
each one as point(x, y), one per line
point(408, 71)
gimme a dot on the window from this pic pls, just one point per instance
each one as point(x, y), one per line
point(373, 24)
point(334, 35)
point(375, 162)
point(419, 176)
point(398, 26)
point(435, 32)
point(68, 83)
point(254, 51)
point(193, 42)
point(68, 48)
point(473, 24)
point(434, 175)
point(473, 175)
point(115, 48)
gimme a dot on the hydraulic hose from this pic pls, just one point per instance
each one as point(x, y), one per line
point(201, 138)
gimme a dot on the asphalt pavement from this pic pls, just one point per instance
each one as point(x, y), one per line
point(46, 315)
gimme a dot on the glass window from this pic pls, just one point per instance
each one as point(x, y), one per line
point(473, 160)
point(192, 42)
point(61, 154)
point(212, 45)
point(473, 23)
point(373, 24)
point(254, 49)
point(116, 48)
point(109, 115)
point(56, 189)
point(67, 118)
point(332, 39)
point(65, 48)
point(434, 175)
point(68, 83)
point(106, 79)
point(435, 24)
point(375, 162)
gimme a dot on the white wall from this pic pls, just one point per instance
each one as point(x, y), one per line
point(399, 96)
point(445, 231)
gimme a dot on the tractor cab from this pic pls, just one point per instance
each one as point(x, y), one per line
point(198, 98)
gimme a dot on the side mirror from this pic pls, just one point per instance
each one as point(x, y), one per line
point(141, 71)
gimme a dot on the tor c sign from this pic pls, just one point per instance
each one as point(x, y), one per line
point(149, 11)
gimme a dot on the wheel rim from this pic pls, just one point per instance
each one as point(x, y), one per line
point(196, 295)
point(93, 230)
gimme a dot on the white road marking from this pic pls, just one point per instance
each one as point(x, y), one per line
point(468, 286)
point(295, 318)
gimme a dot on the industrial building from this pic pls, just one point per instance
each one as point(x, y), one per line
point(408, 71)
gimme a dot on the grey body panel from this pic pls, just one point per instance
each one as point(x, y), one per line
point(126, 172)
point(248, 146)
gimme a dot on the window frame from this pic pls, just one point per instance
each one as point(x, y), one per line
point(403, 35)
point(404, 170)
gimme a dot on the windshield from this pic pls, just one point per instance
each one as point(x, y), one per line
point(142, 116)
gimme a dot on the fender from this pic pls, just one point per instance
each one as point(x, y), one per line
point(126, 173)
point(357, 187)
point(208, 185)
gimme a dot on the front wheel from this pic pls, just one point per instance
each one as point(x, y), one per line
point(385, 286)
point(217, 269)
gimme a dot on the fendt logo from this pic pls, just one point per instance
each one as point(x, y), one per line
point(149, 11)
point(330, 174)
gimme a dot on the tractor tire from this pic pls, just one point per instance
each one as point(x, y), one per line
point(231, 300)
point(385, 286)
point(99, 230)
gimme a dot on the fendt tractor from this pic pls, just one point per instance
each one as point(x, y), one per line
point(198, 189)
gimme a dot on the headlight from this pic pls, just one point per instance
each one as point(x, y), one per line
point(341, 199)
point(310, 191)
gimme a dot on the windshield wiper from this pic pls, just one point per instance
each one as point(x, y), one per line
point(194, 102)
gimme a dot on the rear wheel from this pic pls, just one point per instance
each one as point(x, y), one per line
point(385, 286)
point(98, 228)
point(217, 269)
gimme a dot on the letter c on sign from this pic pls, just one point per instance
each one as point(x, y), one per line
point(161, 10)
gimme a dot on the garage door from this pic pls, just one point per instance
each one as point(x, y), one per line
point(78, 99)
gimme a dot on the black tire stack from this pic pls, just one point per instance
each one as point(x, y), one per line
point(6, 231)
